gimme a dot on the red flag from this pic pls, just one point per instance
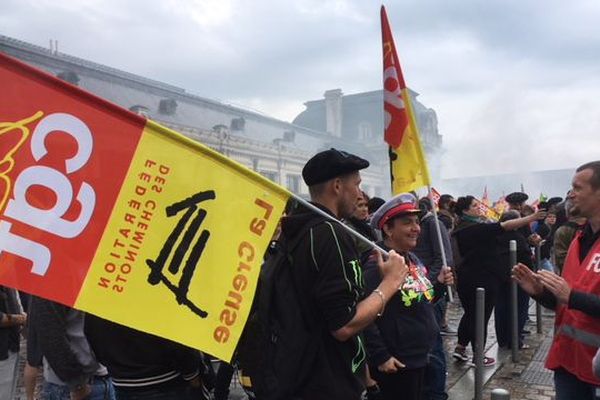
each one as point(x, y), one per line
point(407, 161)
point(436, 196)
point(484, 199)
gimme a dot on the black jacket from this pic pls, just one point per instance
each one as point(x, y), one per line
point(547, 234)
point(9, 335)
point(329, 273)
point(502, 267)
point(407, 329)
point(477, 247)
point(428, 248)
point(138, 360)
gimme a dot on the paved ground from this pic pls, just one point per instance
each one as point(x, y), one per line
point(525, 380)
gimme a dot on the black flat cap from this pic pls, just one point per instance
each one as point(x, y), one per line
point(330, 164)
point(554, 200)
point(516, 198)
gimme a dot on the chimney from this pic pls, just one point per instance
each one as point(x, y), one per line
point(333, 112)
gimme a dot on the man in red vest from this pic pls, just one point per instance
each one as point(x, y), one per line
point(575, 296)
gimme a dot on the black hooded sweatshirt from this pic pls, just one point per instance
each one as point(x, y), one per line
point(328, 271)
point(407, 329)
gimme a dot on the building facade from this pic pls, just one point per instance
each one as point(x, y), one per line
point(274, 148)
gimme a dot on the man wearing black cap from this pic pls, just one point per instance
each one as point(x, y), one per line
point(327, 269)
point(516, 200)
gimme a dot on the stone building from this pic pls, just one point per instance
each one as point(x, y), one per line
point(357, 119)
point(274, 148)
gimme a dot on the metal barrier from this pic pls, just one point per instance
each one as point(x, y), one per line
point(538, 306)
point(514, 305)
point(479, 344)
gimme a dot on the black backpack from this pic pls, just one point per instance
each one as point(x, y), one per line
point(281, 340)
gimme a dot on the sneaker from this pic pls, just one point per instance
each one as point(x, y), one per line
point(460, 354)
point(447, 331)
point(487, 362)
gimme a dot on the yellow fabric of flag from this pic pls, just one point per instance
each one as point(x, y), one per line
point(408, 166)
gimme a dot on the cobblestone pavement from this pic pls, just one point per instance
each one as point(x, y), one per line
point(525, 380)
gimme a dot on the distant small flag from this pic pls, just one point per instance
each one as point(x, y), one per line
point(484, 199)
point(501, 205)
point(436, 196)
point(486, 211)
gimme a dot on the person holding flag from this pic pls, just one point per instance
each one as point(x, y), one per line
point(408, 167)
point(401, 341)
point(328, 272)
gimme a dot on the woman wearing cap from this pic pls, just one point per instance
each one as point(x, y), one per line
point(475, 242)
point(399, 341)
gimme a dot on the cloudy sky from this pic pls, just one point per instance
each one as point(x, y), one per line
point(515, 84)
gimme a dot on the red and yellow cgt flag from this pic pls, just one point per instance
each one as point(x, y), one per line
point(408, 166)
point(486, 211)
point(112, 214)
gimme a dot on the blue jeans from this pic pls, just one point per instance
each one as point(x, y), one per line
point(102, 389)
point(546, 265)
point(568, 387)
point(435, 372)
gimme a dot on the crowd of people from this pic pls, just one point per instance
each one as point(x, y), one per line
point(379, 313)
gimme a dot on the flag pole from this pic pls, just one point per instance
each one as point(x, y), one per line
point(438, 231)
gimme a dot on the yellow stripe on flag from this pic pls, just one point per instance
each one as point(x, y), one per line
point(235, 213)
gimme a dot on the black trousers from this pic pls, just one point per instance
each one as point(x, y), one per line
point(406, 384)
point(467, 286)
point(503, 313)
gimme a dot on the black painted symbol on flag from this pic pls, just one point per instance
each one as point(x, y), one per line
point(181, 288)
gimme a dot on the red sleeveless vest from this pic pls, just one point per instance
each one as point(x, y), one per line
point(578, 334)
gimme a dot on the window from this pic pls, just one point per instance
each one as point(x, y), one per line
point(365, 132)
point(167, 106)
point(293, 183)
point(269, 175)
point(238, 124)
point(69, 76)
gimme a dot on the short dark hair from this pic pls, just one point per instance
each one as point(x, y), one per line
point(510, 214)
point(374, 204)
point(365, 196)
point(462, 204)
point(425, 204)
point(317, 189)
point(595, 167)
point(445, 201)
